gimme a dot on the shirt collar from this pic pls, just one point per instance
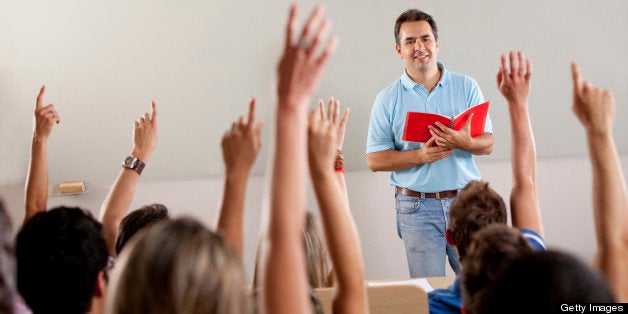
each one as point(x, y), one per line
point(410, 84)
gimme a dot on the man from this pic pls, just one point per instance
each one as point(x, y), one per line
point(427, 175)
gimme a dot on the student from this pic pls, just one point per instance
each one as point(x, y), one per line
point(325, 138)
point(595, 108)
point(137, 220)
point(478, 206)
point(284, 277)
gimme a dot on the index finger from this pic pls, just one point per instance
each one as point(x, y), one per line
point(292, 16)
point(430, 142)
point(251, 110)
point(575, 75)
point(153, 111)
point(40, 97)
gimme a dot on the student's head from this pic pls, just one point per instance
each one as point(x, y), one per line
point(137, 220)
point(315, 253)
point(491, 249)
point(539, 282)
point(475, 207)
point(7, 262)
point(61, 261)
point(177, 266)
point(414, 15)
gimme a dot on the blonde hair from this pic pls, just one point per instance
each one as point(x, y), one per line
point(177, 266)
point(318, 266)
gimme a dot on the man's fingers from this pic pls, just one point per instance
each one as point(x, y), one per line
point(469, 120)
point(40, 97)
point(430, 142)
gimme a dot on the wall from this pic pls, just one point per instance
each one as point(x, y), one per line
point(564, 193)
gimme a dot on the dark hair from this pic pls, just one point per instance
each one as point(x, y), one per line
point(178, 266)
point(475, 207)
point(539, 282)
point(491, 249)
point(414, 15)
point(7, 263)
point(59, 256)
point(137, 220)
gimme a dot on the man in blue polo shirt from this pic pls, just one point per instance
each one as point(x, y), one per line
point(427, 176)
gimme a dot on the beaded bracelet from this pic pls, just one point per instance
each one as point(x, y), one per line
point(339, 165)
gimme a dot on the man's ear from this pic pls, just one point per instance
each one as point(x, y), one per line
point(398, 51)
point(449, 238)
point(101, 285)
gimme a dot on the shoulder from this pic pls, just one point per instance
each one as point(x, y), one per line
point(458, 79)
point(389, 93)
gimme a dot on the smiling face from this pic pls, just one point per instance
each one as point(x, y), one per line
point(418, 48)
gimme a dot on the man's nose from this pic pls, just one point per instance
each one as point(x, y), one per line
point(418, 45)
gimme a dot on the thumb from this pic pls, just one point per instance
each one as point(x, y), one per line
point(468, 124)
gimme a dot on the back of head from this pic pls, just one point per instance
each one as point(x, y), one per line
point(539, 282)
point(137, 220)
point(177, 266)
point(316, 253)
point(491, 249)
point(473, 209)
point(60, 254)
point(414, 15)
point(7, 262)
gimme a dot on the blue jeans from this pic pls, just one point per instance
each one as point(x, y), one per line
point(421, 224)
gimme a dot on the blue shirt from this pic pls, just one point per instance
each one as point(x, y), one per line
point(449, 300)
point(453, 94)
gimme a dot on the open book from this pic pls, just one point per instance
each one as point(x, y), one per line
point(415, 129)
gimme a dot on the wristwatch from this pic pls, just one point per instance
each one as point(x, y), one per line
point(133, 163)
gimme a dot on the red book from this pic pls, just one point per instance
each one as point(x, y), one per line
point(416, 129)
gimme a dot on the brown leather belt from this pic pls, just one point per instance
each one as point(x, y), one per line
point(437, 195)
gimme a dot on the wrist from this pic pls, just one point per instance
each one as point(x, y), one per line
point(140, 154)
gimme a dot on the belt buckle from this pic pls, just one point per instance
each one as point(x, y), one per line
point(437, 195)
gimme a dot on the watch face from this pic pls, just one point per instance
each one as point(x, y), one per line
point(130, 162)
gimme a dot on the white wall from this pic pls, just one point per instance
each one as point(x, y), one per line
point(564, 191)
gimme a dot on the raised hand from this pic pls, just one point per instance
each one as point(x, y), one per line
point(145, 134)
point(301, 65)
point(513, 80)
point(241, 144)
point(594, 107)
point(322, 140)
point(333, 111)
point(45, 117)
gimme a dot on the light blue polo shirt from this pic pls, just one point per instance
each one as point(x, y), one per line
point(453, 94)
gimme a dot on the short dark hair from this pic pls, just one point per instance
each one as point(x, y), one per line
point(7, 262)
point(137, 220)
point(475, 207)
point(414, 15)
point(539, 282)
point(491, 249)
point(60, 254)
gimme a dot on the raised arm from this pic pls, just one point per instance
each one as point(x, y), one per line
point(340, 231)
point(240, 146)
point(513, 81)
point(36, 197)
point(118, 201)
point(595, 108)
point(299, 72)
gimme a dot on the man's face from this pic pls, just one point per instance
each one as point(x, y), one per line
point(417, 46)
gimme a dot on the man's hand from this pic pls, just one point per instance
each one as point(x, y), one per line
point(241, 144)
point(513, 80)
point(45, 118)
point(430, 153)
point(447, 138)
point(594, 107)
point(333, 111)
point(145, 134)
point(301, 66)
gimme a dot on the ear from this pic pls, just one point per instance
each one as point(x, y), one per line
point(101, 285)
point(398, 51)
point(449, 238)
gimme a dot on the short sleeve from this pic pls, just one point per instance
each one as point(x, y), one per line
point(380, 135)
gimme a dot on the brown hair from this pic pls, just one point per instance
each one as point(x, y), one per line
point(475, 207)
point(414, 15)
point(135, 221)
point(490, 250)
point(178, 266)
point(316, 255)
